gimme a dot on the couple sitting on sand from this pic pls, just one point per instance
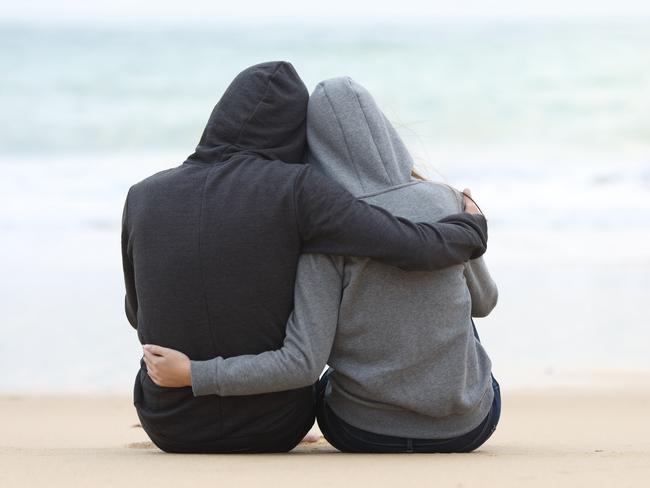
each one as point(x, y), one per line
point(247, 271)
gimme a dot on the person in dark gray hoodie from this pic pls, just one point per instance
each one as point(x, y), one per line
point(408, 373)
point(210, 252)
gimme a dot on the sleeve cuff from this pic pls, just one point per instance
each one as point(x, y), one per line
point(476, 222)
point(205, 377)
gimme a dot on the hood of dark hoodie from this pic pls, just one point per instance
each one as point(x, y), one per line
point(262, 112)
point(350, 139)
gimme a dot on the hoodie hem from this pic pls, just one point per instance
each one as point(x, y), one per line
point(405, 423)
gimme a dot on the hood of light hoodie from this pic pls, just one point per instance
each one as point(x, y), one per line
point(263, 112)
point(350, 139)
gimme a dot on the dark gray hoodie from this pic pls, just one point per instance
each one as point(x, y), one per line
point(402, 346)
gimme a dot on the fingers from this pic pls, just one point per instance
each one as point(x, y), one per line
point(151, 358)
point(155, 376)
point(154, 349)
point(156, 379)
point(163, 364)
point(152, 361)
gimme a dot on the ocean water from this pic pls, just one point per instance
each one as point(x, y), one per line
point(547, 122)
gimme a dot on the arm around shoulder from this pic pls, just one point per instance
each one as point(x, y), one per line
point(332, 221)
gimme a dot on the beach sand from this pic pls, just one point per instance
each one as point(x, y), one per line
point(551, 438)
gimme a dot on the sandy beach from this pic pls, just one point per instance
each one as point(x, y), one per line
point(570, 437)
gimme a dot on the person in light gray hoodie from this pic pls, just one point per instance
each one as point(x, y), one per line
point(407, 370)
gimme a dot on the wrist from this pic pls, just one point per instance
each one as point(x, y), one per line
point(187, 372)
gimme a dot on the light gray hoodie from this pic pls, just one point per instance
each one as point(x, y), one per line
point(401, 343)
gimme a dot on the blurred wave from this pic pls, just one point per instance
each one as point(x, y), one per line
point(546, 121)
point(72, 89)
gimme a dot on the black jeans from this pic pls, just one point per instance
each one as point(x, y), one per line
point(347, 438)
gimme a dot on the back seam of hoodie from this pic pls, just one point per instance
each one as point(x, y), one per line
point(205, 291)
point(347, 146)
point(372, 137)
point(268, 86)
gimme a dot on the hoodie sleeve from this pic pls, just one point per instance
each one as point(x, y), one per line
point(332, 221)
point(482, 288)
point(309, 337)
point(130, 300)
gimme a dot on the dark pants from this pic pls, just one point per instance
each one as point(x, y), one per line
point(271, 442)
point(348, 438)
